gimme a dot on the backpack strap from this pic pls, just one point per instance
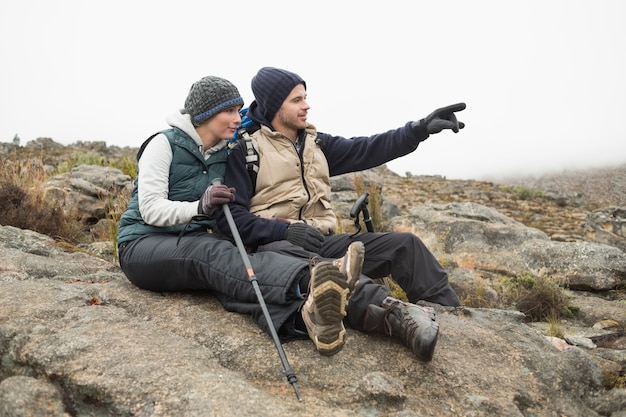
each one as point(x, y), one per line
point(248, 147)
point(144, 144)
point(247, 144)
point(251, 154)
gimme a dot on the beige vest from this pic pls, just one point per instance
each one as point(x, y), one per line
point(287, 190)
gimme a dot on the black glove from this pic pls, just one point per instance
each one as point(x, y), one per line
point(302, 234)
point(443, 118)
point(215, 195)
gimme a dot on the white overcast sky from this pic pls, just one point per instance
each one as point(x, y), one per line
point(543, 79)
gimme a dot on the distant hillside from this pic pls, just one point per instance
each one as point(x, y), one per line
point(599, 187)
point(557, 203)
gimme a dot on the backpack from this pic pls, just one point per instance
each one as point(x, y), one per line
point(247, 144)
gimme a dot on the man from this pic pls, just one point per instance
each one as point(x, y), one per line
point(288, 209)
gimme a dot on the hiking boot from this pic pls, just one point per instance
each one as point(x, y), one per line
point(330, 287)
point(351, 264)
point(325, 308)
point(414, 324)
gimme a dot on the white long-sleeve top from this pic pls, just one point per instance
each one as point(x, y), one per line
point(153, 171)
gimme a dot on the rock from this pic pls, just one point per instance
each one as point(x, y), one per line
point(613, 401)
point(476, 237)
point(75, 323)
point(26, 396)
point(607, 225)
point(382, 387)
point(85, 192)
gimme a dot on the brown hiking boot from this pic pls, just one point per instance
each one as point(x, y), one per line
point(325, 308)
point(351, 264)
point(414, 324)
point(330, 288)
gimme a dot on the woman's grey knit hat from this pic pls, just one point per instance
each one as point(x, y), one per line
point(209, 96)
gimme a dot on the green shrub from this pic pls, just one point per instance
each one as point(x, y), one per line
point(75, 159)
point(544, 300)
point(522, 193)
point(540, 299)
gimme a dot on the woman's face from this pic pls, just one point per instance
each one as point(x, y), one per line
point(222, 126)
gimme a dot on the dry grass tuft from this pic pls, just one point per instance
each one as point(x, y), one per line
point(23, 204)
point(540, 299)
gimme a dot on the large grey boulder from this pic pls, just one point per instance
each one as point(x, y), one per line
point(479, 238)
point(85, 192)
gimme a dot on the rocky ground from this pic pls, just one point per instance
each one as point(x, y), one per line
point(100, 346)
point(554, 203)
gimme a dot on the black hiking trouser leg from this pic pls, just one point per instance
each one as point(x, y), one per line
point(403, 256)
point(202, 261)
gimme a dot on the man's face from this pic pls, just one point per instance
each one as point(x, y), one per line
point(293, 111)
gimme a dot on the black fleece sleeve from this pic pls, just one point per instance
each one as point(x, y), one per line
point(364, 152)
point(254, 230)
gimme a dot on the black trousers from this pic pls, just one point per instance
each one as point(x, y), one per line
point(204, 261)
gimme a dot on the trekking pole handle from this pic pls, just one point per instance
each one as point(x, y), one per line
point(359, 204)
point(367, 219)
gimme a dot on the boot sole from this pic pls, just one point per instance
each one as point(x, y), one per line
point(327, 302)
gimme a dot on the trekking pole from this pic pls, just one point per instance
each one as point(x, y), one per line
point(291, 376)
point(360, 205)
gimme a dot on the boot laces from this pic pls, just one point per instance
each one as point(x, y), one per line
point(314, 260)
point(409, 327)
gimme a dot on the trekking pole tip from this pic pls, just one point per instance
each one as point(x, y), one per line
point(297, 391)
point(291, 377)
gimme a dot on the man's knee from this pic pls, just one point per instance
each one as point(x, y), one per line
point(406, 239)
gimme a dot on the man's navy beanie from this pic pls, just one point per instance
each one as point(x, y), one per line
point(270, 87)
